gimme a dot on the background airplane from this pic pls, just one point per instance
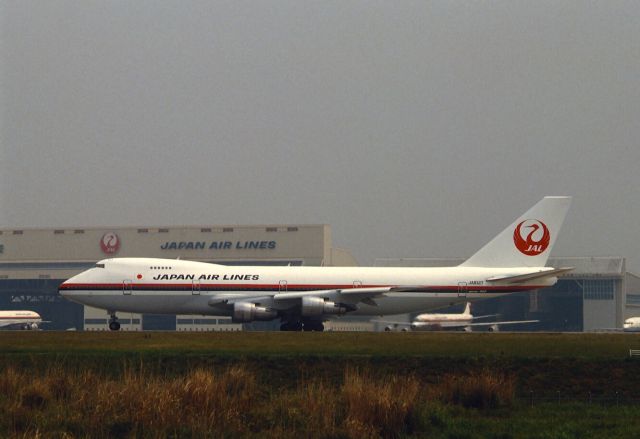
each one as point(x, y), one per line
point(439, 322)
point(632, 324)
point(19, 320)
point(304, 297)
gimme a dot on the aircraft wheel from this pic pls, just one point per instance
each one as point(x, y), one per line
point(291, 326)
point(114, 326)
point(313, 326)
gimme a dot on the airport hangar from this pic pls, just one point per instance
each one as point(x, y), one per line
point(599, 293)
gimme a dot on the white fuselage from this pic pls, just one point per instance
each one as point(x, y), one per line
point(442, 320)
point(145, 285)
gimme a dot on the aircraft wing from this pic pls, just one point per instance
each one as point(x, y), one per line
point(452, 325)
point(343, 295)
point(515, 322)
point(515, 278)
point(6, 323)
point(348, 295)
point(17, 322)
point(485, 316)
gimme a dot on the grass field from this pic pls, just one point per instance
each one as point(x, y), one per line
point(243, 384)
point(371, 344)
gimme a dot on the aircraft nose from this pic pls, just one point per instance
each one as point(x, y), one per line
point(63, 288)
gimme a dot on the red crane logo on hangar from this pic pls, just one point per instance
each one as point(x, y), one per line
point(110, 243)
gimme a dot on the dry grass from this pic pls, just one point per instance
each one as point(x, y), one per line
point(229, 402)
point(376, 407)
point(483, 390)
point(136, 404)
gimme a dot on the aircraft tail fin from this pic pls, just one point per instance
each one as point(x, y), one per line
point(527, 242)
point(467, 308)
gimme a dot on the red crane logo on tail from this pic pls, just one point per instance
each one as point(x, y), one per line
point(536, 240)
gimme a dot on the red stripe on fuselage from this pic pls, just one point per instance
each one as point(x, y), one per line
point(289, 287)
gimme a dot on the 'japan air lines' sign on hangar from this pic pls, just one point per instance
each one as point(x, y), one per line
point(219, 245)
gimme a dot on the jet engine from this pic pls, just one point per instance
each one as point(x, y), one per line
point(317, 306)
point(248, 312)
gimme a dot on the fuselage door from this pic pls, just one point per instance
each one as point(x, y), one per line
point(462, 289)
point(283, 286)
point(127, 287)
point(195, 287)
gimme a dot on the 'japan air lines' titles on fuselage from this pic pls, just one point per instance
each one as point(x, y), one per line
point(206, 277)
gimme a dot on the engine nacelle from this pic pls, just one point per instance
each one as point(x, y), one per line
point(247, 312)
point(317, 306)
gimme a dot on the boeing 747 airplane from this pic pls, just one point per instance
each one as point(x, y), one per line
point(305, 297)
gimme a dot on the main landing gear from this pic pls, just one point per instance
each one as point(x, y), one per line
point(114, 324)
point(291, 326)
point(304, 325)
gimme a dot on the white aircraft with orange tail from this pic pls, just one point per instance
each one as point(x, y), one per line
point(304, 297)
point(443, 322)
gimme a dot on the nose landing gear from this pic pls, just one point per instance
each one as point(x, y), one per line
point(114, 324)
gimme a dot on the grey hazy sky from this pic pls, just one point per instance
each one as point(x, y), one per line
point(415, 129)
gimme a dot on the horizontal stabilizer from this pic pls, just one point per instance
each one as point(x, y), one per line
point(530, 276)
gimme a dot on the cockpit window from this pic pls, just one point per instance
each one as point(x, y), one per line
point(100, 265)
